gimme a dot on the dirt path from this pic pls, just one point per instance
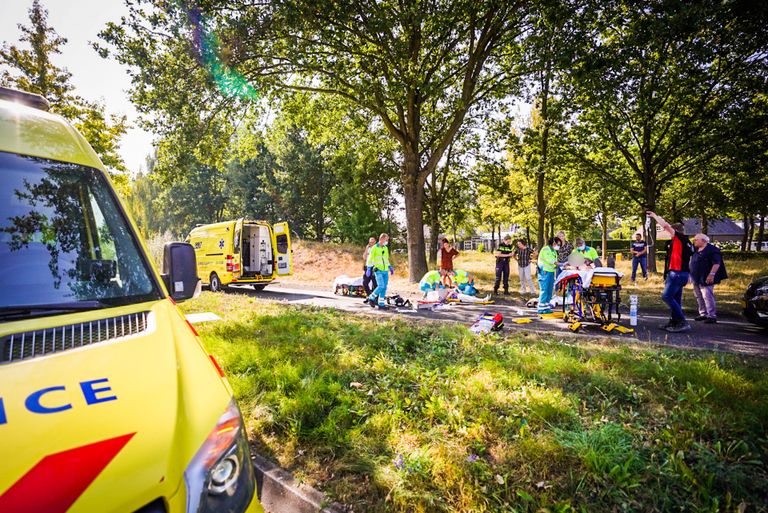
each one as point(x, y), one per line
point(730, 334)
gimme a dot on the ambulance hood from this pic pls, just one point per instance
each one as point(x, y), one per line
point(109, 426)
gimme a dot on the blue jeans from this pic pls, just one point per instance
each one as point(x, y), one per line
point(643, 261)
point(380, 292)
point(673, 294)
point(546, 286)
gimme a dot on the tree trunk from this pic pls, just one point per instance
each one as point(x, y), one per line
point(413, 193)
point(745, 237)
point(751, 232)
point(761, 232)
point(704, 223)
point(434, 233)
point(541, 209)
point(604, 226)
point(649, 203)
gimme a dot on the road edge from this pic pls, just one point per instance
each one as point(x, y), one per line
point(279, 492)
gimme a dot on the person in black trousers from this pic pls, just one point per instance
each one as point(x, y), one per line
point(503, 254)
point(369, 279)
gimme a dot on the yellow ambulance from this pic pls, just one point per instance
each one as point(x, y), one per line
point(241, 252)
point(108, 401)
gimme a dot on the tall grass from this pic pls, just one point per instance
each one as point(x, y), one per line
point(389, 415)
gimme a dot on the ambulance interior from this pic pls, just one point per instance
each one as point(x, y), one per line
point(257, 251)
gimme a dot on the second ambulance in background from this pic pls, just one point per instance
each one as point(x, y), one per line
point(242, 252)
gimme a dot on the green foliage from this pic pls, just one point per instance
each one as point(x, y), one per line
point(400, 416)
point(31, 69)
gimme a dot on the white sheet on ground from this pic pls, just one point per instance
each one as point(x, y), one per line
point(346, 281)
point(586, 275)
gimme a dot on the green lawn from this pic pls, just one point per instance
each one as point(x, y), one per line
point(390, 415)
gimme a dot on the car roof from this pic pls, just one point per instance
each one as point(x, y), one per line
point(30, 131)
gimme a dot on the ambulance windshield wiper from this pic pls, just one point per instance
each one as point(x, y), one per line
point(10, 312)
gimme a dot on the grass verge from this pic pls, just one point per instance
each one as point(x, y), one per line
point(390, 415)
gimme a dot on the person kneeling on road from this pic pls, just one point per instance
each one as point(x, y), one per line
point(547, 267)
point(378, 264)
point(465, 282)
point(431, 281)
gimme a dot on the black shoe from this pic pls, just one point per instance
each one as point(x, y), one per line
point(701, 318)
point(495, 292)
point(711, 320)
point(669, 324)
point(679, 327)
point(383, 307)
point(372, 303)
point(506, 292)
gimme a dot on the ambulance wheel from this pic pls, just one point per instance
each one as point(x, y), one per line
point(215, 283)
point(258, 287)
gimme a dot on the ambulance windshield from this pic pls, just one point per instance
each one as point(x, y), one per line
point(63, 240)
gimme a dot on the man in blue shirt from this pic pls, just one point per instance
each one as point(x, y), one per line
point(639, 250)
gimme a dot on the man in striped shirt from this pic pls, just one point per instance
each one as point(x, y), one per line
point(523, 257)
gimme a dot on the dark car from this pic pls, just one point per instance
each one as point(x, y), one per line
point(756, 301)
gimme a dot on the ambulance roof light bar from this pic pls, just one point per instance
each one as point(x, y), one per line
point(25, 98)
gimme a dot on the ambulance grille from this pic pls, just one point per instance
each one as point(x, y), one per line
point(31, 344)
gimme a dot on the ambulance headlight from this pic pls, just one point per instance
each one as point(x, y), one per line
point(220, 477)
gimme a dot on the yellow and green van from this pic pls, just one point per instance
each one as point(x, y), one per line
point(108, 400)
point(242, 252)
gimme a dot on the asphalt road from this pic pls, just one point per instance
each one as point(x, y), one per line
point(730, 334)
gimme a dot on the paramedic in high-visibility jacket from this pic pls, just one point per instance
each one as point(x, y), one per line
point(547, 268)
point(378, 265)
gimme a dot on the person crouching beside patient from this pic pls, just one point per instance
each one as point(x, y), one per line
point(433, 280)
point(465, 282)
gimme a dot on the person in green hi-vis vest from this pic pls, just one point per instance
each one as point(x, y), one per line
point(547, 267)
point(378, 265)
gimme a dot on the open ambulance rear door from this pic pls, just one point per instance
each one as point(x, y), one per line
point(283, 251)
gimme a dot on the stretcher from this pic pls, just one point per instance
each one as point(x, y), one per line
point(347, 286)
point(592, 295)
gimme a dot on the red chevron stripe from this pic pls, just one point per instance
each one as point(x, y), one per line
point(55, 483)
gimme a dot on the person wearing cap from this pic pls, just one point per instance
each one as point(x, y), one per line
point(707, 270)
point(378, 265)
point(588, 252)
point(503, 254)
point(547, 263)
point(676, 273)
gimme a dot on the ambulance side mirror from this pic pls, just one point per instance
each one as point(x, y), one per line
point(180, 271)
